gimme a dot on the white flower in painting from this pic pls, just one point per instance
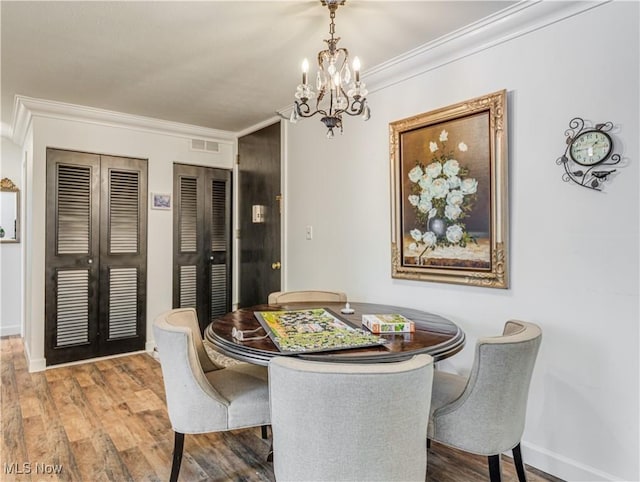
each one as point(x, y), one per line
point(463, 147)
point(432, 213)
point(413, 200)
point(433, 170)
point(413, 247)
point(444, 135)
point(439, 188)
point(454, 233)
point(452, 212)
point(429, 238)
point(433, 147)
point(416, 234)
point(425, 205)
point(425, 182)
point(455, 198)
point(469, 186)
point(415, 174)
point(451, 168)
point(454, 182)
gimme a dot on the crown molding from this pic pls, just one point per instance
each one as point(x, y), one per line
point(26, 108)
point(508, 24)
point(258, 126)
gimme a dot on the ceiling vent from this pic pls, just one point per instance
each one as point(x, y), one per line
point(201, 145)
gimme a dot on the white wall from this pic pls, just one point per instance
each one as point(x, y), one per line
point(161, 150)
point(11, 253)
point(573, 252)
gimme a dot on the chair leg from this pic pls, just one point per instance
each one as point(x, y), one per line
point(270, 454)
point(495, 473)
point(178, 446)
point(264, 432)
point(517, 461)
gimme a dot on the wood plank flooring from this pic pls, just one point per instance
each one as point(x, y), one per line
point(107, 421)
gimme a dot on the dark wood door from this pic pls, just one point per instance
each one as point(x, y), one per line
point(202, 241)
point(95, 286)
point(259, 158)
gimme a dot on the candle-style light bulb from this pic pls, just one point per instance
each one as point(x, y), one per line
point(305, 69)
point(356, 68)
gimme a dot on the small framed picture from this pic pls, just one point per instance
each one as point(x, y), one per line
point(160, 201)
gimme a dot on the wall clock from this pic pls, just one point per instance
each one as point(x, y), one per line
point(588, 151)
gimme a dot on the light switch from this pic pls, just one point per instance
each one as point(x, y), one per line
point(309, 232)
point(258, 213)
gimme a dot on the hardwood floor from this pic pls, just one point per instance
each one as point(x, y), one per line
point(107, 421)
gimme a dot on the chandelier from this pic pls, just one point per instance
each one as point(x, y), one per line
point(336, 94)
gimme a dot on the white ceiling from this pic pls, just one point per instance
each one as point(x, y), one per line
point(223, 65)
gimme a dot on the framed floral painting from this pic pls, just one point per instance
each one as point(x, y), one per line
point(449, 194)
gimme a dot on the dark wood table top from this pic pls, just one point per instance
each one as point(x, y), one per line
point(434, 335)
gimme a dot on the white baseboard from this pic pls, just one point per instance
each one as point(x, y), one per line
point(10, 329)
point(150, 346)
point(561, 466)
point(38, 365)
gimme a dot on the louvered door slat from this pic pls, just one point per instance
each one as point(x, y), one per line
point(219, 234)
point(188, 286)
point(74, 209)
point(218, 290)
point(72, 313)
point(123, 210)
point(188, 215)
point(123, 302)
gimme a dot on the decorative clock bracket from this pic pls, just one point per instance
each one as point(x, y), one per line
point(588, 150)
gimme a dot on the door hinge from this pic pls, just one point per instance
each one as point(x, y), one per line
point(279, 199)
point(238, 159)
point(237, 234)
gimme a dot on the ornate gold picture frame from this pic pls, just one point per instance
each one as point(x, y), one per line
point(449, 194)
point(9, 211)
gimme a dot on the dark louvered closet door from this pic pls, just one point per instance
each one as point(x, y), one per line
point(95, 255)
point(123, 261)
point(202, 241)
point(72, 256)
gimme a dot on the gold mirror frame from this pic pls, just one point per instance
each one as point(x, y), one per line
point(421, 245)
point(7, 185)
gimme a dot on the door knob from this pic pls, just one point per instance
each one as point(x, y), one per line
point(275, 265)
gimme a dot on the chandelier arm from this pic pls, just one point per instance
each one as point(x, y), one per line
point(354, 109)
point(357, 106)
point(346, 56)
point(321, 54)
point(305, 111)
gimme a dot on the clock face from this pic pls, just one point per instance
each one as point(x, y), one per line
point(591, 147)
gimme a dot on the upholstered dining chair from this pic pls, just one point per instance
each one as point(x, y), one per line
point(278, 297)
point(201, 396)
point(348, 421)
point(485, 413)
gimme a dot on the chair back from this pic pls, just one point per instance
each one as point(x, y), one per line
point(279, 297)
point(342, 421)
point(488, 418)
point(184, 363)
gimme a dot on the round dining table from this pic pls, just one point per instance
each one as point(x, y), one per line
point(434, 335)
